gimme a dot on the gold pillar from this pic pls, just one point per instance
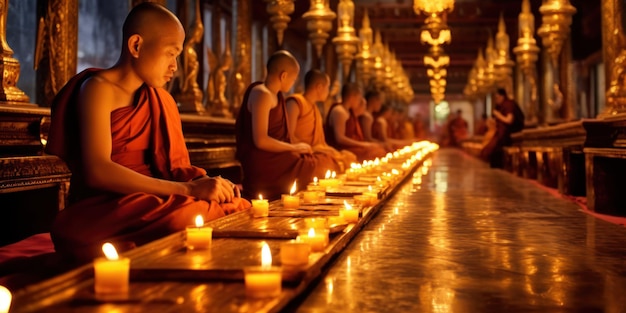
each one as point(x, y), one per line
point(55, 52)
point(242, 75)
point(10, 66)
point(614, 55)
point(188, 94)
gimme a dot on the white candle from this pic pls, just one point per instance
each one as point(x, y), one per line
point(260, 207)
point(263, 281)
point(348, 213)
point(295, 252)
point(111, 272)
point(199, 237)
point(291, 201)
point(317, 238)
point(5, 299)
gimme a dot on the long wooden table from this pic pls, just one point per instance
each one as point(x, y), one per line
point(165, 277)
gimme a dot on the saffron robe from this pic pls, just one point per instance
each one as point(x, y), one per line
point(273, 173)
point(146, 137)
point(310, 129)
point(353, 131)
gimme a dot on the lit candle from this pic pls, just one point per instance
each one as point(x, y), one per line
point(291, 201)
point(310, 196)
point(5, 299)
point(315, 222)
point(373, 196)
point(316, 187)
point(295, 252)
point(330, 180)
point(260, 207)
point(111, 272)
point(263, 281)
point(348, 213)
point(318, 239)
point(199, 237)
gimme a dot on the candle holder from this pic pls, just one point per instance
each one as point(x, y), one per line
point(260, 207)
point(310, 196)
point(111, 273)
point(263, 281)
point(317, 238)
point(198, 237)
point(295, 253)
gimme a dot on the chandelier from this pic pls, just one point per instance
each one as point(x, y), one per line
point(432, 6)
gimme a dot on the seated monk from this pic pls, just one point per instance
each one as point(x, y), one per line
point(374, 101)
point(343, 130)
point(120, 134)
point(270, 161)
point(305, 119)
point(382, 131)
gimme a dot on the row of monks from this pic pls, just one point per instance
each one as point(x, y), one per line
point(291, 139)
point(119, 131)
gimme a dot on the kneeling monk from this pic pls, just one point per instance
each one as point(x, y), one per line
point(120, 134)
point(270, 161)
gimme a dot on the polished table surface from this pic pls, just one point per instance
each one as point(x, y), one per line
point(461, 237)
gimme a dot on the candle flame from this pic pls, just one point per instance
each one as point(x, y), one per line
point(260, 197)
point(109, 251)
point(333, 174)
point(369, 188)
point(5, 299)
point(378, 178)
point(266, 256)
point(199, 221)
point(315, 180)
point(293, 188)
point(327, 174)
point(311, 232)
point(348, 206)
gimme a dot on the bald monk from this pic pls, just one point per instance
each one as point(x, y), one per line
point(374, 101)
point(382, 130)
point(306, 121)
point(343, 130)
point(120, 134)
point(270, 160)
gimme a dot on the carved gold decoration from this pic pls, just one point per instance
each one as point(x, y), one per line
point(216, 86)
point(490, 68)
point(527, 54)
point(190, 95)
point(56, 48)
point(364, 58)
point(345, 42)
point(433, 6)
point(279, 11)
point(10, 66)
point(614, 55)
point(503, 63)
point(319, 19)
point(555, 27)
point(378, 50)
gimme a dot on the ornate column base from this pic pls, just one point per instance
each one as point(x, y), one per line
point(190, 103)
point(9, 92)
point(221, 110)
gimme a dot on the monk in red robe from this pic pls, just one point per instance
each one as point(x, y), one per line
point(305, 118)
point(120, 134)
point(381, 129)
point(270, 160)
point(343, 130)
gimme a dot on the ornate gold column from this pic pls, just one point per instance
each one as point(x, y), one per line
point(527, 53)
point(242, 74)
point(279, 11)
point(614, 55)
point(10, 66)
point(189, 94)
point(345, 41)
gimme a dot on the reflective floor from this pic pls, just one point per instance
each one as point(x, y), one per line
point(461, 237)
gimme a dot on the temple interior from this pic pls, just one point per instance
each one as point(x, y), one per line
point(441, 225)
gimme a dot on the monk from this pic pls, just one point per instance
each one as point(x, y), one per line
point(270, 160)
point(305, 119)
point(343, 130)
point(382, 130)
point(374, 101)
point(120, 134)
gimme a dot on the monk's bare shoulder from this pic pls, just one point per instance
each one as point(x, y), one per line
point(339, 114)
point(99, 89)
point(261, 96)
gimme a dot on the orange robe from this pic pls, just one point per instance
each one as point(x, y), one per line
point(310, 129)
point(353, 131)
point(147, 138)
point(272, 173)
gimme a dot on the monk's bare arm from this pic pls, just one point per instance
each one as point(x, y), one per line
point(508, 119)
point(338, 119)
point(366, 125)
point(293, 111)
point(261, 102)
point(96, 102)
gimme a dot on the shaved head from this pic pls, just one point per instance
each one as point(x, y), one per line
point(313, 77)
point(146, 20)
point(282, 61)
point(350, 89)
